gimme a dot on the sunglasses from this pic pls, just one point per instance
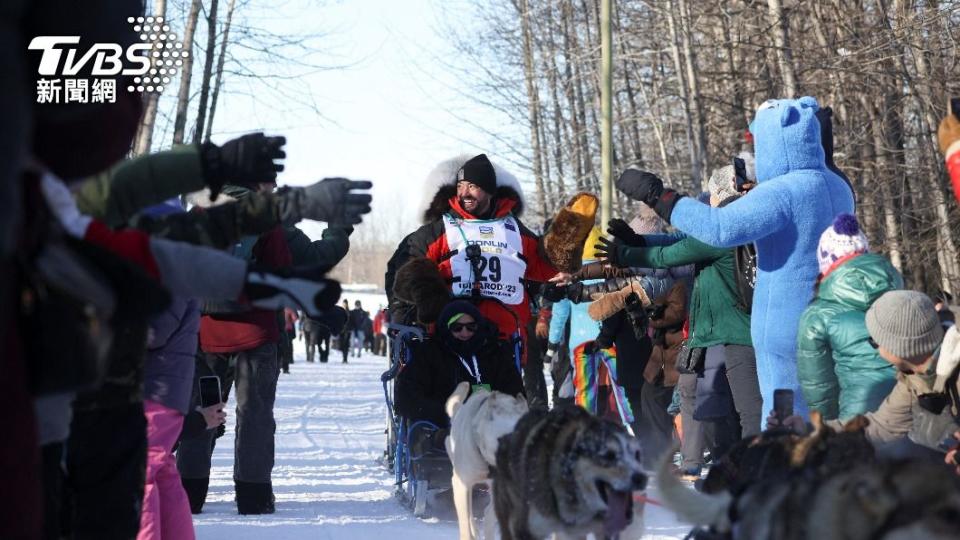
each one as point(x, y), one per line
point(873, 343)
point(458, 327)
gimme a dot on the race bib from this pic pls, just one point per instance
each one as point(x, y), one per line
point(498, 271)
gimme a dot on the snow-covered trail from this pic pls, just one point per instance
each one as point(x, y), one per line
point(327, 479)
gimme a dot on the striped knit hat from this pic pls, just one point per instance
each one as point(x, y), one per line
point(842, 238)
point(905, 323)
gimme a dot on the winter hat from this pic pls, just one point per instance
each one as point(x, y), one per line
point(647, 221)
point(905, 323)
point(479, 171)
point(450, 314)
point(722, 183)
point(842, 238)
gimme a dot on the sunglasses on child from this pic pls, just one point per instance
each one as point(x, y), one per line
point(458, 327)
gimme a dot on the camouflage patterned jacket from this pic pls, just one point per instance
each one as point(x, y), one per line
point(119, 194)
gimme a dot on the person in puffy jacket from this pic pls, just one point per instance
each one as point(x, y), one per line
point(465, 349)
point(840, 373)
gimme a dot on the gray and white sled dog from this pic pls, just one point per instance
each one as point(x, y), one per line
point(568, 473)
point(476, 424)
point(827, 485)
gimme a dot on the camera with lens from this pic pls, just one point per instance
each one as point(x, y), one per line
point(637, 315)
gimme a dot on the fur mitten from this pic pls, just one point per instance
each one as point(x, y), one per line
point(608, 304)
point(563, 243)
point(419, 282)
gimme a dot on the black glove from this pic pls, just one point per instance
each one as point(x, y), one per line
point(591, 347)
point(609, 252)
point(333, 200)
point(647, 188)
point(553, 292)
point(603, 342)
point(619, 229)
point(302, 288)
point(245, 161)
point(575, 292)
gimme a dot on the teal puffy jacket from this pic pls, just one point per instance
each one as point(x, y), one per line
point(840, 373)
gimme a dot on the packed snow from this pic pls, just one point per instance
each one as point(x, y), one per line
point(328, 480)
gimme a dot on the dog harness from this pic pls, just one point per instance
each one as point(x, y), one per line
point(501, 266)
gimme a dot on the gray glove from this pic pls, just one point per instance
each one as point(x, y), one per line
point(334, 200)
point(300, 288)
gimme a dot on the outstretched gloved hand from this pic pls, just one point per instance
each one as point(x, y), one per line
point(620, 230)
point(647, 188)
point(245, 161)
point(302, 288)
point(609, 252)
point(334, 200)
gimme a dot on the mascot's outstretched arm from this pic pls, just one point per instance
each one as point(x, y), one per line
point(749, 218)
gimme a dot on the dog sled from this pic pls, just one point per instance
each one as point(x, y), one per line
point(417, 459)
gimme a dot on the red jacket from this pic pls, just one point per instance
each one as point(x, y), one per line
point(378, 321)
point(430, 241)
point(236, 332)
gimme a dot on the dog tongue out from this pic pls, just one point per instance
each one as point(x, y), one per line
point(617, 506)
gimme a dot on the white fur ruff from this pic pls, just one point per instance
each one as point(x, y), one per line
point(446, 171)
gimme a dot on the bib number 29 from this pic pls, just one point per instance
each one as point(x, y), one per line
point(489, 269)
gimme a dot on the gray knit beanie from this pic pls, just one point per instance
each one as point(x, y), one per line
point(721, 183)
point(905, 323)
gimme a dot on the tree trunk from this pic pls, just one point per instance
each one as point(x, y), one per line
point(558, 123)
point(219, 76)
point(186, 70)
point(577, 119)
point(207, 70)
point(781, 39)
point(695, 164)
point(533, 103)
point(696, 99)
point(144, 139)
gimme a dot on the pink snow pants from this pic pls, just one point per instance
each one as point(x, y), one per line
point(166, 510)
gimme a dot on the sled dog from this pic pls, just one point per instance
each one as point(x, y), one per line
point(476, 424)
point(568, 473)
point(826, 486)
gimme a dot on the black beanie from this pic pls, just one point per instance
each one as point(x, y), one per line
point(479, 171)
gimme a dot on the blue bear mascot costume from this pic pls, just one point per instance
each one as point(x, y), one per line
point(796, 199)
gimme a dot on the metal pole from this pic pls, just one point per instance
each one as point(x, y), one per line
point(606, 120)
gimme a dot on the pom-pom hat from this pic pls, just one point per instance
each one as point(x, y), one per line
point(841, 239)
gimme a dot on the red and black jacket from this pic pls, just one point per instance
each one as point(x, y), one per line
point(430, 241)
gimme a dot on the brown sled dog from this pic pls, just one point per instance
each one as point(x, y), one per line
point(826, 486)
point(567, 472)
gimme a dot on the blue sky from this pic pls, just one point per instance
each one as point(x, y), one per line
point(387, 115)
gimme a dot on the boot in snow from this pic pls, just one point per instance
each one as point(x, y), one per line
point(196, 489)
point(254, 498)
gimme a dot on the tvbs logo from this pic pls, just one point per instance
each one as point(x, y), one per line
point(151, 64)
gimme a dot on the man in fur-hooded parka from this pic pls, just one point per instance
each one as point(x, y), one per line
point(421, 270)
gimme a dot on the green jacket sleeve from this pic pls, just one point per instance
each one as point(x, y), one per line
point(328, 250)
point(686, 251)
point(815, 369)
point(118, 194)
